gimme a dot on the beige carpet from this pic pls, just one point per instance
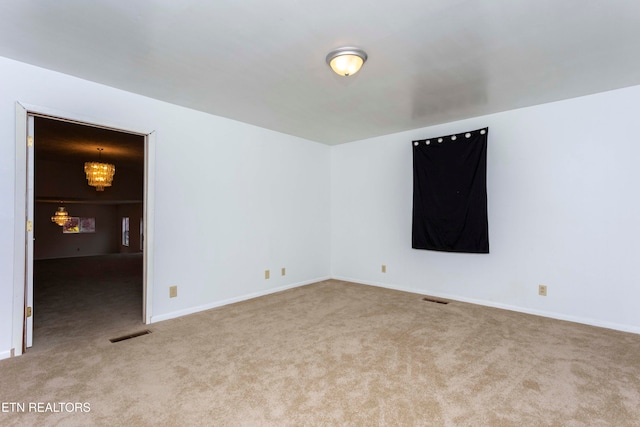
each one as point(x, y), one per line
point(335, 353)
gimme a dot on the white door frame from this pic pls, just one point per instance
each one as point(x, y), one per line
point(21, 236)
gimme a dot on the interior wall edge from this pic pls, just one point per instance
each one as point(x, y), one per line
point(216, 304)
point(486, 303)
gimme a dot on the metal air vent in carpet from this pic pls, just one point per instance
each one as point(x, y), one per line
point(128, 337)
point(438, 301)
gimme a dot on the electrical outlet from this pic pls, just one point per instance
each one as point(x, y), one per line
point(283, 271)
point(542, 290)
point(173, 291)
point(267, 274)
point(384, 268)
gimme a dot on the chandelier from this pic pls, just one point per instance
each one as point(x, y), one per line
point(99, 174)
point(60, 217)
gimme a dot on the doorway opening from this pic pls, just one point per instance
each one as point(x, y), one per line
point(87, 283)
point(79, 281)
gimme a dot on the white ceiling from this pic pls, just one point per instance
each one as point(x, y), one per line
point(263, 62)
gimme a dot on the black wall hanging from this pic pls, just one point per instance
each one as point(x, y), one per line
point(450, 193)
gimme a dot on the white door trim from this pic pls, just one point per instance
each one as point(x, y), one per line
point(20, 210)
point(20, 233)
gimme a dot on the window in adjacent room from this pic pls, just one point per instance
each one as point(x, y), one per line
point(125, 231)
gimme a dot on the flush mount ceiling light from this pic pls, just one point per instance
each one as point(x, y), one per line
point(99, 175)
point(346, 61)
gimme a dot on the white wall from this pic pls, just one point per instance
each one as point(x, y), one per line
point(564, 211)
point(231, 200)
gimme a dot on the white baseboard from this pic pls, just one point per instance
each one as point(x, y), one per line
point(5, 354)
point(552, 315)
point(215, 304)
